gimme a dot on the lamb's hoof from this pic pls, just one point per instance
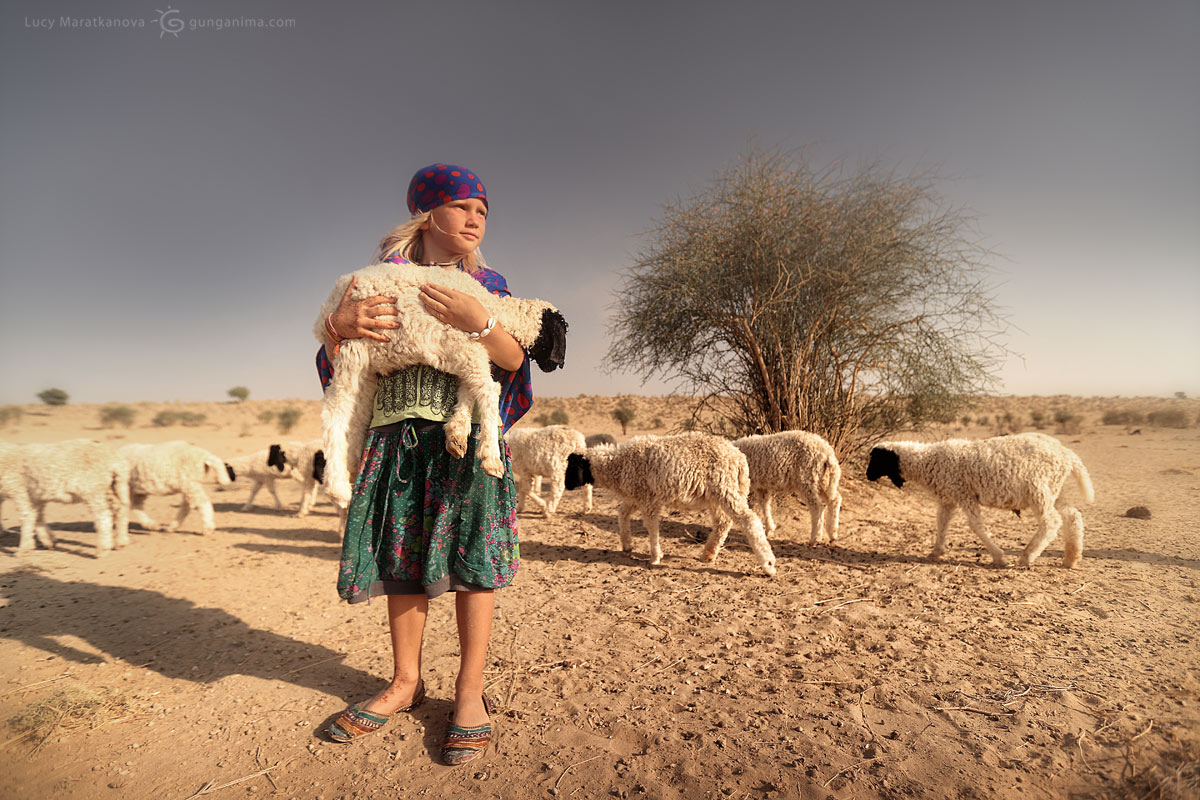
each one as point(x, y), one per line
point(936, 555)
point(492, 466)
point(708, 557)
point(456, 445)
point(1070, 563)
point(769, 568)
point(246, 507)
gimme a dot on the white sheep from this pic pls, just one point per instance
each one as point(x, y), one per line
point(306, 460)
point(688, 470)
point(1021, 472)
point(169, 468)
point(347, 406)
point(76, 470)
point(263, 468)
point(795, 461)
point(543, 451)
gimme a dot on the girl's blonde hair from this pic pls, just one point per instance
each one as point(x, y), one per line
point(405, 238)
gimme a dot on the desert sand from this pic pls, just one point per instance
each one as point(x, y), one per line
point(187, 665)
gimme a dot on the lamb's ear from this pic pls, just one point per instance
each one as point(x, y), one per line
point(579, 471)
point(318, 472)
point(550, 348)
point(884, 462)
point(232, 474)
point(276, 458)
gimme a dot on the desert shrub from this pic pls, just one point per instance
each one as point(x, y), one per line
point(191, 419)
point(1122, 417)
point(559, 417)
point(117, 415)
point(1007, 422)
point(983, 420)
point(1168, 418)
point(239, 393)
point(1068, 422)
point(266, 416)
point(1039, 418)
point(656, 423)
point(624, 415)
point(53, 397)
point(11, 415)
point(287, 419)
point(965, 420)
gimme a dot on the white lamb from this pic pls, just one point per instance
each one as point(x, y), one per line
point(306, 460)
point(173, 468)
point(263, 468)
point(1026, 471)
point(687, 470)
point(795, 461)
point(74, 471)
point(347, 406)
point(543, 451)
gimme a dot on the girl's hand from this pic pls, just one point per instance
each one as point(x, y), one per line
point(356, 319)
point(455, 308)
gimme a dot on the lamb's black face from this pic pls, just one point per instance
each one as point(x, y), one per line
point(277, 458)
point(884, 462)
point(579, 471)
point(232, 474)
point(550, 348)
point(318, 472)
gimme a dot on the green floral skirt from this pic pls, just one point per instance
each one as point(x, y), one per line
point(422, 520)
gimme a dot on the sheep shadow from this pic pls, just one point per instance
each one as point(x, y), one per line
point(323, 552)
point(290, 535)
point(160, 633)
point(687, 560)
point(1140, 557)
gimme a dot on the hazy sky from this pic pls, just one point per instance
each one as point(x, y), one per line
point(176, 200)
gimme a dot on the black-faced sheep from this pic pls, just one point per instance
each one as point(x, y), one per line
point(261, 469)
point(690, 470)
point(800, 462)
point(421, 338)
point(1017, 473)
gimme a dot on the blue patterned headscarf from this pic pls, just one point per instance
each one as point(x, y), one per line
point(439, 184)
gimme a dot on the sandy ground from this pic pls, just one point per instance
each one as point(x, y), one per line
point(860, 671)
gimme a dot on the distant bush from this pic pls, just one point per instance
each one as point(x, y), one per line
point(1067, 421)
point(983, 420)
point(1008, 422)
point(53, 397)
point(1122, 417)
point(287, 419)
point(656, 423)
point(965, 420)
point(117, 415)
point(191, 419)
point(1168, 418)
point(559, 417)
point(624, 415)
point(11, 415)
point(1039, 419)
point(239, 393)
point(266, 416)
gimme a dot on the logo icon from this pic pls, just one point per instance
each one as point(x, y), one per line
point(169, 22)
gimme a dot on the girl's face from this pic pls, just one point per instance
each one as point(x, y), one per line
point(454, 229)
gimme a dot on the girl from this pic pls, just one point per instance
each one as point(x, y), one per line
point(421, 522)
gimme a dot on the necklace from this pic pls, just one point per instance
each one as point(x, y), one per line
point(443, 264)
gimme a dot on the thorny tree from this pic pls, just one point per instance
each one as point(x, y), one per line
point(787, 298)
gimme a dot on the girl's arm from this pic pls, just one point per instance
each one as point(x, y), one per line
point(466, 313)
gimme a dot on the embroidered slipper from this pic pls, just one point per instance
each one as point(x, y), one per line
point(355, 722)
point(467, 744)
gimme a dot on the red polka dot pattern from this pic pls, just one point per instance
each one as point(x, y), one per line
point(439, 184)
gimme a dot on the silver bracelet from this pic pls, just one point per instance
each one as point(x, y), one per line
point(491, 323)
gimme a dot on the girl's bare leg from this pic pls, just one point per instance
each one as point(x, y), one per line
point(406, 621)
point(473, 611)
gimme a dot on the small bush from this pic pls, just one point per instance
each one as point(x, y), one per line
point(983, 420)
point(239, 393)
point(965, 420)
point(266, 416)
point(1168, 418)
point(53, 397)
point(1122, 417)
point(11, 415)
point(117, 415)
point(191, 419)
point(1040, 419)
point(656, 423)
point(1068, 422)
point(287, 419)
point(624, 415)
point(559, 417)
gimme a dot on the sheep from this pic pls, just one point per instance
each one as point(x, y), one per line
point(599, 438)
point(347, 405)
point(795, 461)
point(687, 470)
point(1025, 471)
point(543, 451)
point(307, 463)
point(173, 468)
point(76, 470)
point(263, 469)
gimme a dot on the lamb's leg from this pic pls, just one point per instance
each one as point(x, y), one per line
point(137, 513)
point(833, 511)
point(624, 512)
point(587, 506)
point(1072, 536)
point(557, 487)
point(717, 533)
point(975, 520)
point(42, 530)
point(944, 515)
point(195, 497)
point(103, 516)
point(308, 497)
point(275, 494)
point(120, 512)
point(28, 518)
point(249, 504)
point(748, 521)
point(344, 417)
point(1049, 521)
point(650, 517)
point(816, 513)
point(185, 508)
point(529, 484)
